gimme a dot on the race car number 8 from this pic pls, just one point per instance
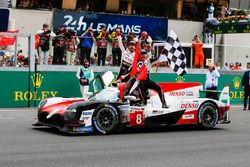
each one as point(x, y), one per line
point(136, 118)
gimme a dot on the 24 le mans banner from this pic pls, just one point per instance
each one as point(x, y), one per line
point(80, 21)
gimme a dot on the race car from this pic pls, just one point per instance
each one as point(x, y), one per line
point(104, 113)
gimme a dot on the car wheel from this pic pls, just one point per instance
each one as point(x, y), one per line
point(105, 119)
point(208, 115)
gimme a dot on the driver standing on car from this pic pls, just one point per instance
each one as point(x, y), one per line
point(127, 60)
point(85, 74)
point(145, 83)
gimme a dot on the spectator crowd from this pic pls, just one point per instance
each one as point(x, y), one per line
point(100, 48)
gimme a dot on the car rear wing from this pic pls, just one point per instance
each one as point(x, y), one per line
point(224, 94)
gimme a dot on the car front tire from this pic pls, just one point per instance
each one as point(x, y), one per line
point(105, 119)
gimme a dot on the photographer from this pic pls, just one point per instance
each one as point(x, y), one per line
point(71, 47)
point(116, 51)
point(102, 44)
point(59, 45)
point(86, 44)
point(85, 74)
point(43, 48)
point(212, 82)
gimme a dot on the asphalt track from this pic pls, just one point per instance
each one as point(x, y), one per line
point(176, 146)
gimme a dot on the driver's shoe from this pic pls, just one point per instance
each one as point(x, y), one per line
point(164, 105)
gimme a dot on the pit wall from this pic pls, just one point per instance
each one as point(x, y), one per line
point(21, 89)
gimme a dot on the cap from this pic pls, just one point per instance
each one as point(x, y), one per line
point(132, 42)
point(144, 33)
point(45, 25)
point(143, 51)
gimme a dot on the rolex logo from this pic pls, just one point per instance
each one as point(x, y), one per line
point(236, 82)
point(180, 79)
point(37, 80)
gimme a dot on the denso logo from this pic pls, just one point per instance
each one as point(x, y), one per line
point(177, 94)
point(190, 105)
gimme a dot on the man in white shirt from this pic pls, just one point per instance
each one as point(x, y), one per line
point(212, 82)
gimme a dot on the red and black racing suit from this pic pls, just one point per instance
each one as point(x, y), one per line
point(145, 83)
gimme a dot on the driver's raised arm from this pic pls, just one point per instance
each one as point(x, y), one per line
point(121, 46)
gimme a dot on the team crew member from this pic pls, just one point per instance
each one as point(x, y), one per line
point(43, 48)
point(85, 74)
point(127, 60)
point(246, 86)
point(212, 82)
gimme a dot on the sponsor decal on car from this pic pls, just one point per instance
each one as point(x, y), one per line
point(87, 113)
point(157, 112)
point(83, 129)
point(86, 118)
point(189, 93)
point(188, 116)
point(189, 105)
point(125, 118)
point(177, 93)
point(137, 118)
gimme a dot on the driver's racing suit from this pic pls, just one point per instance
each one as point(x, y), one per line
point(126, 64)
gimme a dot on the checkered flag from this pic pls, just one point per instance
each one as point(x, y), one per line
point(175, 54)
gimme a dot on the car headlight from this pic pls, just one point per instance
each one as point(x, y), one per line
point(42, 104)
point(70, 113)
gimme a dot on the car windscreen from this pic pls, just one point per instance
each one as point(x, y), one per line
point(105, 95)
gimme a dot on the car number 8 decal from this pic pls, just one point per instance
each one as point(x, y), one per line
point(136, 118)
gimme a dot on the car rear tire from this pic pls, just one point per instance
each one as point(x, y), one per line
point(208, 115)
point(105, 119)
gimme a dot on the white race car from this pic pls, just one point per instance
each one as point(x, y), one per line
point(104, 113)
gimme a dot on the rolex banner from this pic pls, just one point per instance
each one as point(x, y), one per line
point(48, 84)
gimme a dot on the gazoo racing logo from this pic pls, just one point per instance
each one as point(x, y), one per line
point(189, 105)
point(80, 25)
point(37, 80)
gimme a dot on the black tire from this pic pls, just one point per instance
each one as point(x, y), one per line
point(208, 115)
point(105, 119)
